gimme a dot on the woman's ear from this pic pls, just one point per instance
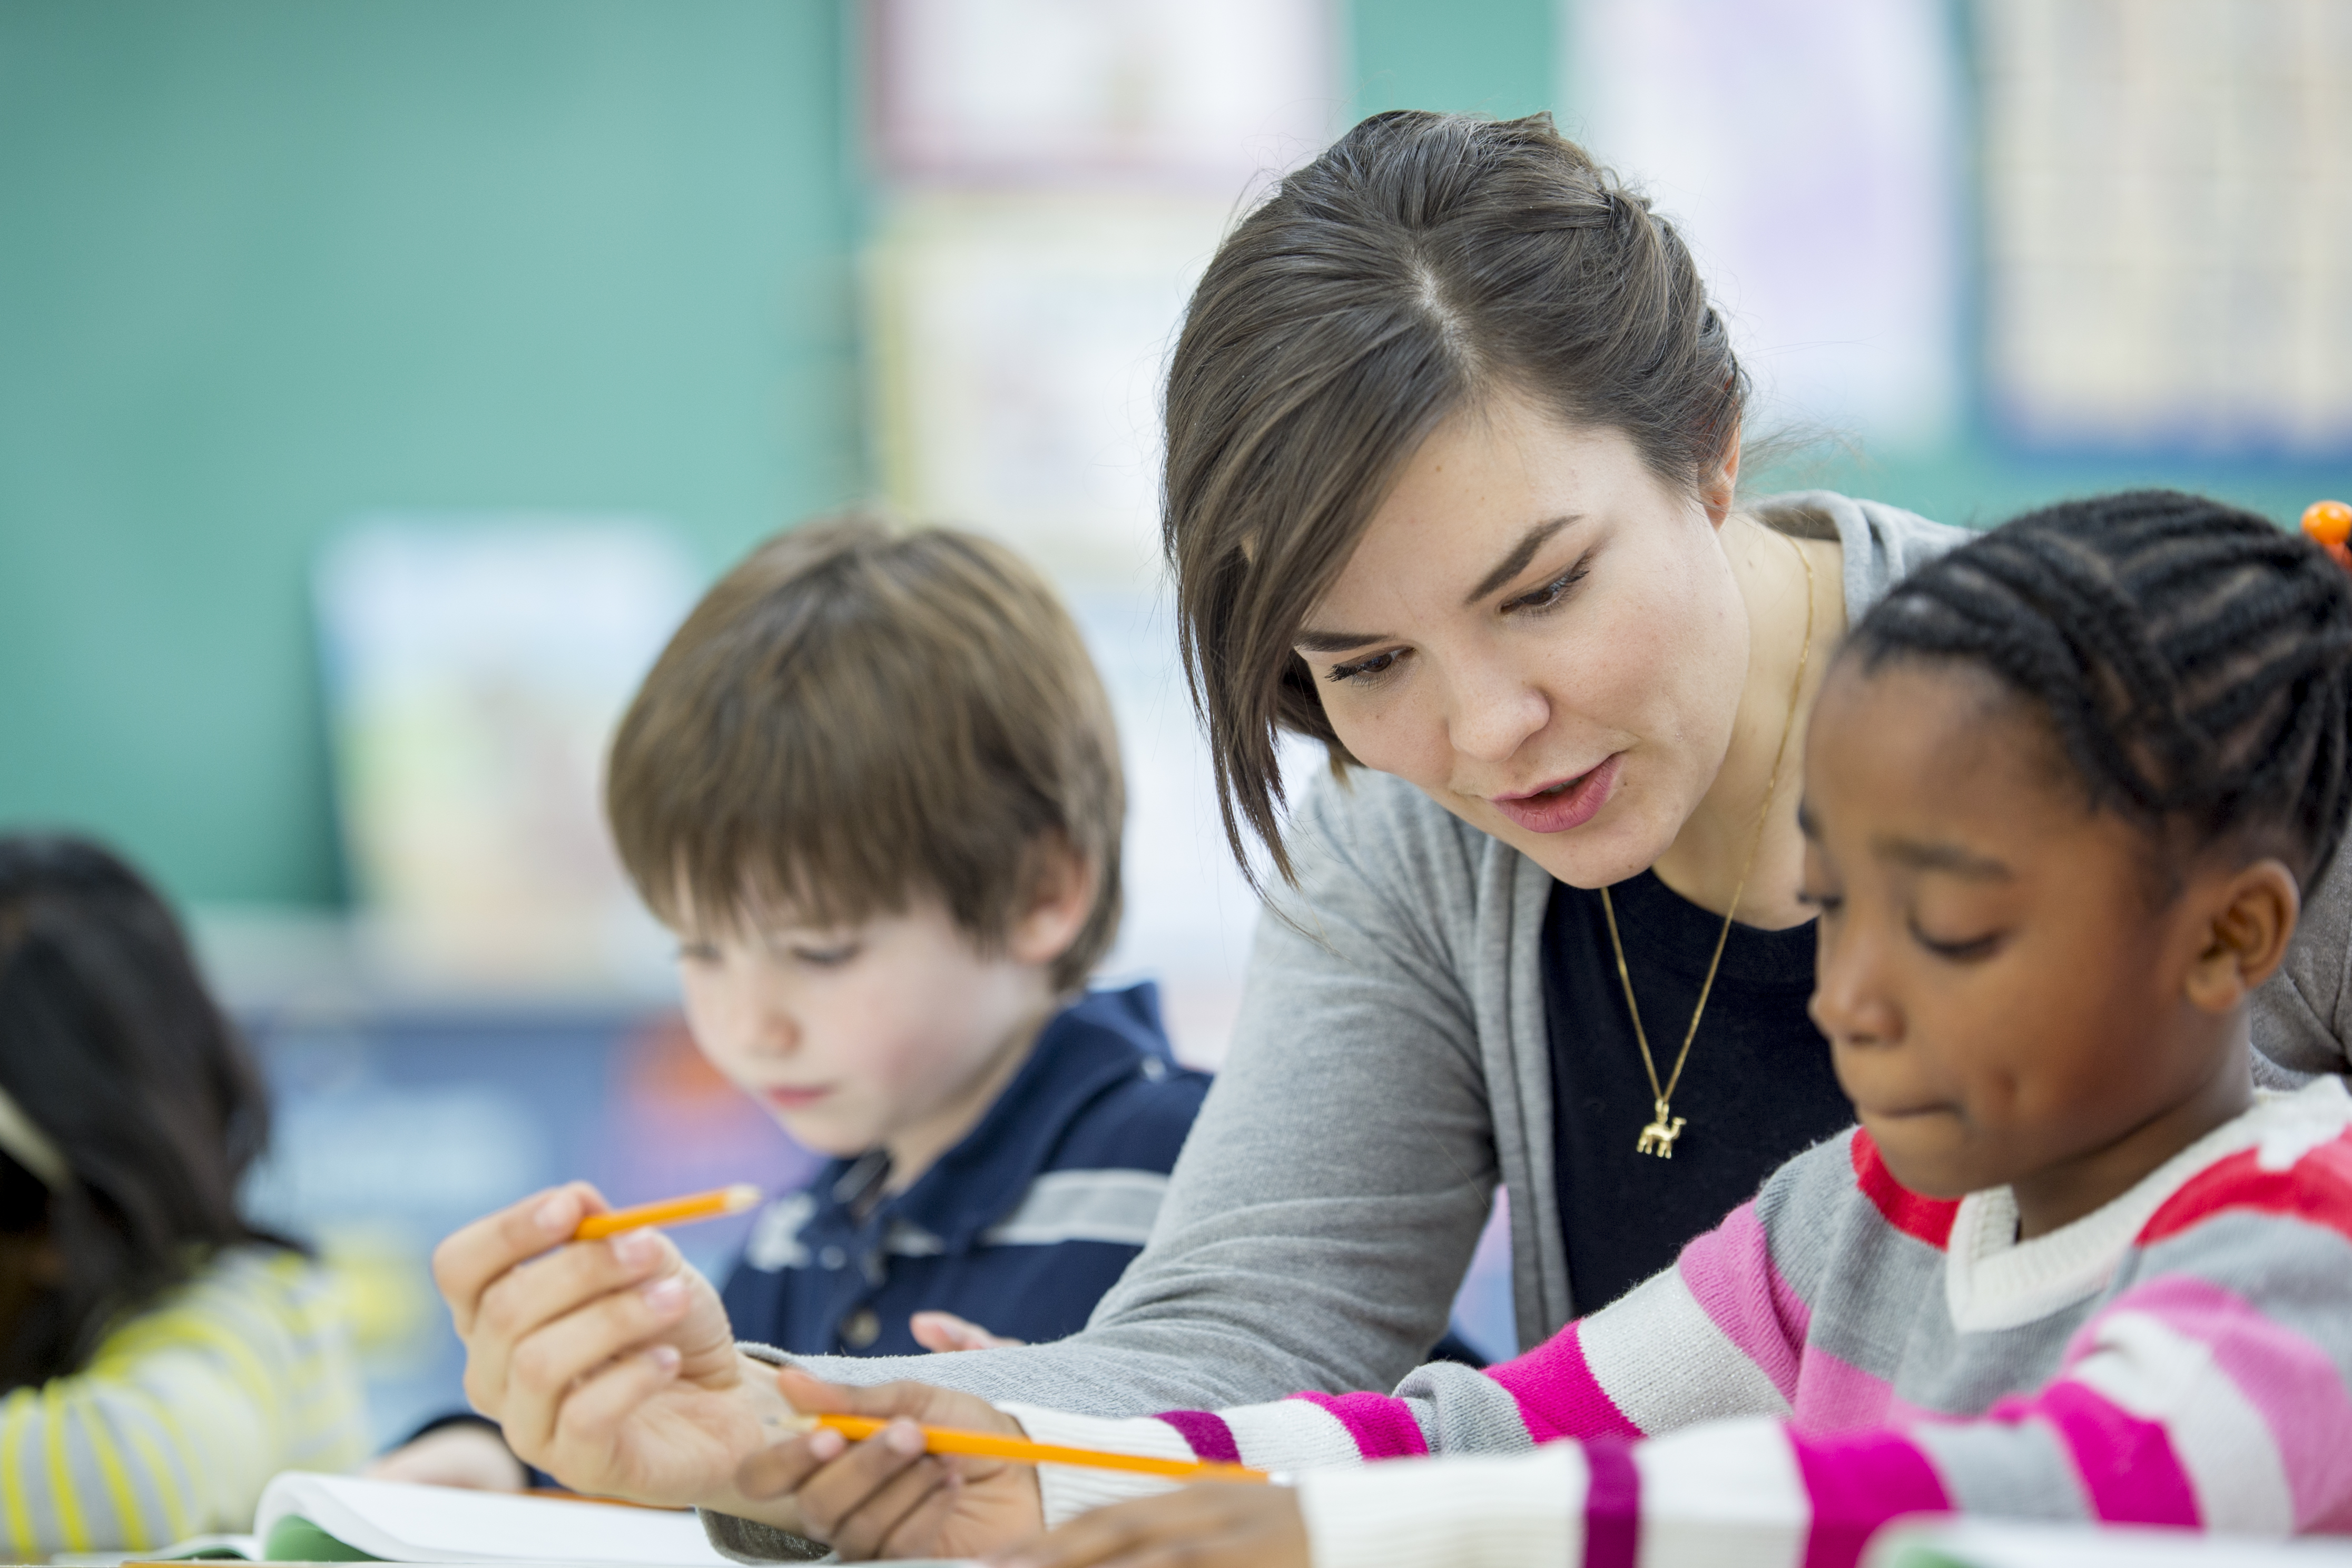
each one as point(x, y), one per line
point(2253, 916)
point(1720, 485)
point(1061, 896)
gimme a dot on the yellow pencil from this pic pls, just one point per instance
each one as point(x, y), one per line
point(1021, 1451)
point(671, 1211)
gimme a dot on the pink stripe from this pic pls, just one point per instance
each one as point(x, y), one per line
point(1729, 1270)
point(2126, 1463)
point(1557, 1395)
point(1383, 1428)
point(2292, 1383)
point(1856, 1483)
point(1205, 1432)
point(1612, 1505)
point(1834, 1395)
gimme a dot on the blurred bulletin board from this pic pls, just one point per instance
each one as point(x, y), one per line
point(2169, 223)
point(476, 667)
point(1809, 152)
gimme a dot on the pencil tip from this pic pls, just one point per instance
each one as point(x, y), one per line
point(740, 1196)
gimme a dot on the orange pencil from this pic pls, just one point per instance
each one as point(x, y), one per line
point(1021, 1451)
point(671, 1211)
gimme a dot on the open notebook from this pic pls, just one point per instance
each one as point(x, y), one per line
point(307, 1517)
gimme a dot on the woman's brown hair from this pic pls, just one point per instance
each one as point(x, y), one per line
point(1424, 263)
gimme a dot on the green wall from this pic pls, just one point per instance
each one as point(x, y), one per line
point(267, 264)
point(1490, 56)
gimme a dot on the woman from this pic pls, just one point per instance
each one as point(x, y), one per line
point(1452, 444)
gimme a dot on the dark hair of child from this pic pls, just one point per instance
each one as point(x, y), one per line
point(110, 1045)
point(856, 715)
point(2191, 658)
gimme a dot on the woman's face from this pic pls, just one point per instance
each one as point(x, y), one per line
point(1542, 637)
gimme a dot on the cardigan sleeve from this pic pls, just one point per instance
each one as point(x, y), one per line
point(183, 1414)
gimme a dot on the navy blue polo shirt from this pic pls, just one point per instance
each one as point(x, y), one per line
point(1019, 1228)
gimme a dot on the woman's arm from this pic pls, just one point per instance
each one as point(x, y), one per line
point(1328, 1201)
point(182, 1415)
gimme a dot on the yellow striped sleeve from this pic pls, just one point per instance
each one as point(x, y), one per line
point(183, 1414)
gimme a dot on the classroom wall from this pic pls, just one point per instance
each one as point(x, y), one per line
point(266, 265)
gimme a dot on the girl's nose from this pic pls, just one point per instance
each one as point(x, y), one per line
point(1849, 1003)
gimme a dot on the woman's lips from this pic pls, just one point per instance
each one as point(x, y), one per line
point(795, 1098)
point(1569, 804)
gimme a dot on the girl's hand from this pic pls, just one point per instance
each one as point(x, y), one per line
point(885, 1497)
point(609, 1365)
point(947, 1331)
point(1209, 1524)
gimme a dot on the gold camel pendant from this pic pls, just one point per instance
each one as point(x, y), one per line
point(1658, 1137)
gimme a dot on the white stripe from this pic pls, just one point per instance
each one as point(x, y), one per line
point(1082, 1205)
point(1661, 1358)
point(1069, 1490)
point(1290, 1435)
point(776, 1236)
point(1488, 1511)
point(1728, 1492)
point(31, 1147)
point(2146, 1368)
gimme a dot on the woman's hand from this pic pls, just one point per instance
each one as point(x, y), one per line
point(885, 1497)
point(947, 1331)
point(1209, 1524)
point(609, 1365)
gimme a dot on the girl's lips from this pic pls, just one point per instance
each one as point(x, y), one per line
point(795, 1098)
point(1572, 807)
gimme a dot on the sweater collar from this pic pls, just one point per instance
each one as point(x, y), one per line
point(1992, 1280)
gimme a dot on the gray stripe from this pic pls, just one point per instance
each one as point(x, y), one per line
point(1082, 1205)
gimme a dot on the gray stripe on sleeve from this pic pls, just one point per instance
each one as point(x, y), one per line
point(1082, 1205)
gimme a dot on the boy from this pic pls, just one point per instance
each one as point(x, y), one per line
point(873, 785)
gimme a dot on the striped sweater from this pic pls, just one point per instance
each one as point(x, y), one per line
point(1840, 1351)
point(183, 1414)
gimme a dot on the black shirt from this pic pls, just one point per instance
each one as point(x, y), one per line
point(1757, 1089)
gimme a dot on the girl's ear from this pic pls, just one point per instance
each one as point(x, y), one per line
point(2254, 913)
point(1062, 886)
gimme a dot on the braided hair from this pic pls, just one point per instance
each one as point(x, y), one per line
point(2194, 661)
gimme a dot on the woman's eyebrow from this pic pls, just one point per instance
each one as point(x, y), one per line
point(1312, 641)
point(1523, 552)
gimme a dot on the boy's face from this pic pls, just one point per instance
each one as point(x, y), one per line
point(896, 1032)
point(2006, 1003)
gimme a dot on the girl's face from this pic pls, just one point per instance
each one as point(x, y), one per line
point(2009, 999)
point(1541, 636)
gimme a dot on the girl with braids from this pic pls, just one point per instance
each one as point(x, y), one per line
point(1454, 442)
point(160, 1357)
point(2064, 790)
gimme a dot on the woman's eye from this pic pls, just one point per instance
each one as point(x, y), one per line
point(1550, 593)
point(1963, 950)
point(1370, 669)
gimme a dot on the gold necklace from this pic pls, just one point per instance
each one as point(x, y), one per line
point(1658, 1137)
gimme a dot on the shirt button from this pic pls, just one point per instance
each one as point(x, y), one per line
point(860, 1328)
point(833, 1257)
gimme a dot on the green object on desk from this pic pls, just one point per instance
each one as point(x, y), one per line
point(294, 1539)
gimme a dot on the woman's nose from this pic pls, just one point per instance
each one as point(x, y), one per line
point(1496, 709)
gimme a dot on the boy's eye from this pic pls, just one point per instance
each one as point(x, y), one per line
point(1549, 594)
point(1367, 670)
point(826, 958)
point(1963, 950)
point(698, 953)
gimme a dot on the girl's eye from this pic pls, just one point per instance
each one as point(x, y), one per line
point(1966, 950)
point(826, 958)
point(1826, 902)
point(1367, 670)
point(1549, 594)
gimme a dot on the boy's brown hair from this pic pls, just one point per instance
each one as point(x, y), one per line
point(855, 716)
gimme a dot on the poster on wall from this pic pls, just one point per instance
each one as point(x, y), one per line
point(2167, 233)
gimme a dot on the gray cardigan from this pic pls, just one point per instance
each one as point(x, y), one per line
point(1392, 1065)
